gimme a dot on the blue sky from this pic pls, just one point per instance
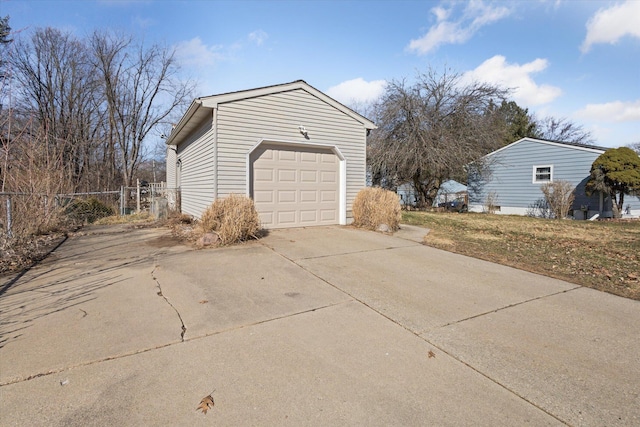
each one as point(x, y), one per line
point(573, 59)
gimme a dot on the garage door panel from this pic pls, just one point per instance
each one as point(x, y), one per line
point(309, 157)
point(287, 217)
point(287, 175)
point(265, 196)
point(266, 217)
point(265, 175)
point(310, 216)
point(328, 196)
point(328, 158)
point(295, 186)
point(287, 196)
point(286, 155)
point(329, 177)
point(328, 215)
point(310, 196)
point(309, 176)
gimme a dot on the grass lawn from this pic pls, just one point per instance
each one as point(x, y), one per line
point(603, 255)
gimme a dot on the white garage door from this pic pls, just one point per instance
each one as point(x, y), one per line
point(295, 186)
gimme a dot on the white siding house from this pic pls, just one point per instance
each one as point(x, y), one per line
point(515, 173)
point(297, 152)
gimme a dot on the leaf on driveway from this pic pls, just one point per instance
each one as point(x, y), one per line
point(205, 404)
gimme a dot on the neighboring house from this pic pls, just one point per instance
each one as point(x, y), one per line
point(514, 174)
point(449, 191)
point(298, 153)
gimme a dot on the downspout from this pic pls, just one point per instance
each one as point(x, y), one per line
point(215, 153)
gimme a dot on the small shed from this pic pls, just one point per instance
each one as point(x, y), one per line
point(449, 191)
point(511, 178)
point(300, 154)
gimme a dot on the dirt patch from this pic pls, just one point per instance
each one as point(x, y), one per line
point(28, 251)
point(166, 241)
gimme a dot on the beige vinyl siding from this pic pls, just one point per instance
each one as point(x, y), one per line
point(276, 117)
point(197, 174)
point(172, 158)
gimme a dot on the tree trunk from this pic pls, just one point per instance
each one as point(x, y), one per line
point(616, 205)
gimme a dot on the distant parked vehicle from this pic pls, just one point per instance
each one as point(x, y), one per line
point(457, 205)
point(144, 187)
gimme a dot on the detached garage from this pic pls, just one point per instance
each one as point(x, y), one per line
point(297, 152)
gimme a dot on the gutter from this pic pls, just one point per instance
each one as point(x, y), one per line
point(193, 108)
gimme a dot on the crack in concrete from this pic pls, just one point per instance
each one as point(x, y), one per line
point(159, 347)
point(160, 293)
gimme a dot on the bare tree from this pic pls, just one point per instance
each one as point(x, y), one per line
point(562, 129)
point(56, 85)
point(430, 130)
point(559, 196)
point(141, 88)
point(5, 39)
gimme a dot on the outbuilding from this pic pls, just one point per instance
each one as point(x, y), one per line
point(300, 154)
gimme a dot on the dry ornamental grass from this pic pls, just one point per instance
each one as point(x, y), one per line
point(374, 207)
point(603, 255)
point(234, 219)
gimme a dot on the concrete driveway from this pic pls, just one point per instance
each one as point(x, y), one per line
point(317, 326)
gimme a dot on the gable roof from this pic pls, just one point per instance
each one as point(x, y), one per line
point(201, 107)
point(573, 145)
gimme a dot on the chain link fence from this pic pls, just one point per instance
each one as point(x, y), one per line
point(29, 213)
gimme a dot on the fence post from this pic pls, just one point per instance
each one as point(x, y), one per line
point(138, 195)
point(9, 234)
point(121, 200)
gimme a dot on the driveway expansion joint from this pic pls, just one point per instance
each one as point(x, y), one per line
point(16, 380)
point(419, 336)
point(336, 254)
point(506, 307)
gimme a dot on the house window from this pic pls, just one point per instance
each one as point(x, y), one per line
point(542, 174)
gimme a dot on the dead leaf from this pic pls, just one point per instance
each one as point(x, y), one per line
point(431, 354)
point(205, 404)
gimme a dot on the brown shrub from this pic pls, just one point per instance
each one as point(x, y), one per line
point(233, 219)
point(375, 206)
point(559, 196)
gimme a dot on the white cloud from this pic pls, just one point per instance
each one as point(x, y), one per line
point(525, 90)
point(475, 15)
point(441, 13)
point(609, 25)
point(615, 111)
point(258, 37)
point(357, 91)
point(195, 53)
point(144, 23)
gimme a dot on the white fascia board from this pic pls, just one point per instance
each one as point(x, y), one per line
point(175, 132)
point(542, 141)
